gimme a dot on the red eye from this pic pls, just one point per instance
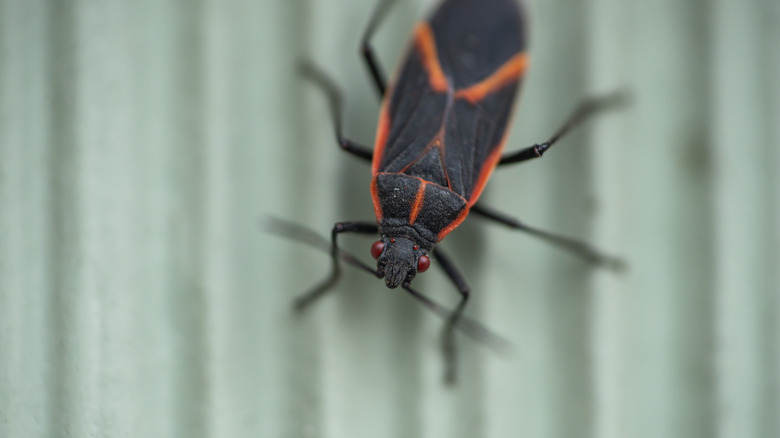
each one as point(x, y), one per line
point(423, 263)
point(377, 248)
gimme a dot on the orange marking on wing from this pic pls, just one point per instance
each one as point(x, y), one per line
point(418, 202)
point(382, 133)
point(426, 46)
point(454, 224)
point(375, 200)
point(506, 74)
point(435, 143)
point(487, 169)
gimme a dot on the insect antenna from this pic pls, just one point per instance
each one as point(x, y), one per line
point(471, 328)
point(294, 231)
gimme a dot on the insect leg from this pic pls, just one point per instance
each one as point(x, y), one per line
point(367, 50)
point(333, 94)
point(586, 109)
point(576, 247)
point(303, 301)
point(448, 336)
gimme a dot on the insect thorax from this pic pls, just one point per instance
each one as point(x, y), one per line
point(416, 209)
point(395, 227)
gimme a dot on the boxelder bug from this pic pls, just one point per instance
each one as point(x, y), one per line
point(442, 129)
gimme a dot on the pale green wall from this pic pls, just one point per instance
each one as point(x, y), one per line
point(142, 142)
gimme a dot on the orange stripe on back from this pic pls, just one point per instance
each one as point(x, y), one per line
point(382, 132)
point(375, 200)
point(506, 74)
point(418, 202)
point(487, 169)
point(426, 46)
point(454, 224)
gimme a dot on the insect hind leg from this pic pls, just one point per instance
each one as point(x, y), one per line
point(576, 247)
point(585, 110)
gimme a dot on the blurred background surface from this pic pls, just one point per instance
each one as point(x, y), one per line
point(142, 144)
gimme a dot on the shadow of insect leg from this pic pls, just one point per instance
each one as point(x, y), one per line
point(449, 348)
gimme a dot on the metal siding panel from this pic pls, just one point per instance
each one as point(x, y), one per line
point(746, 292)
point(24, 191)
point(141, 144)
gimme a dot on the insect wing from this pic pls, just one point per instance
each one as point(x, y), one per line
point(447, 115)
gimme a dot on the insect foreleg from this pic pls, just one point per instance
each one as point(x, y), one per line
point(307, 298)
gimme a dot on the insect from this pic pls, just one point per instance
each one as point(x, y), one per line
point(442, 128)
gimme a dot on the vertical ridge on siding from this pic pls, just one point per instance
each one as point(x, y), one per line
point(608, 69)
point(67, 408)
point(745, 289)
point(772, 29)
point(24, 190)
